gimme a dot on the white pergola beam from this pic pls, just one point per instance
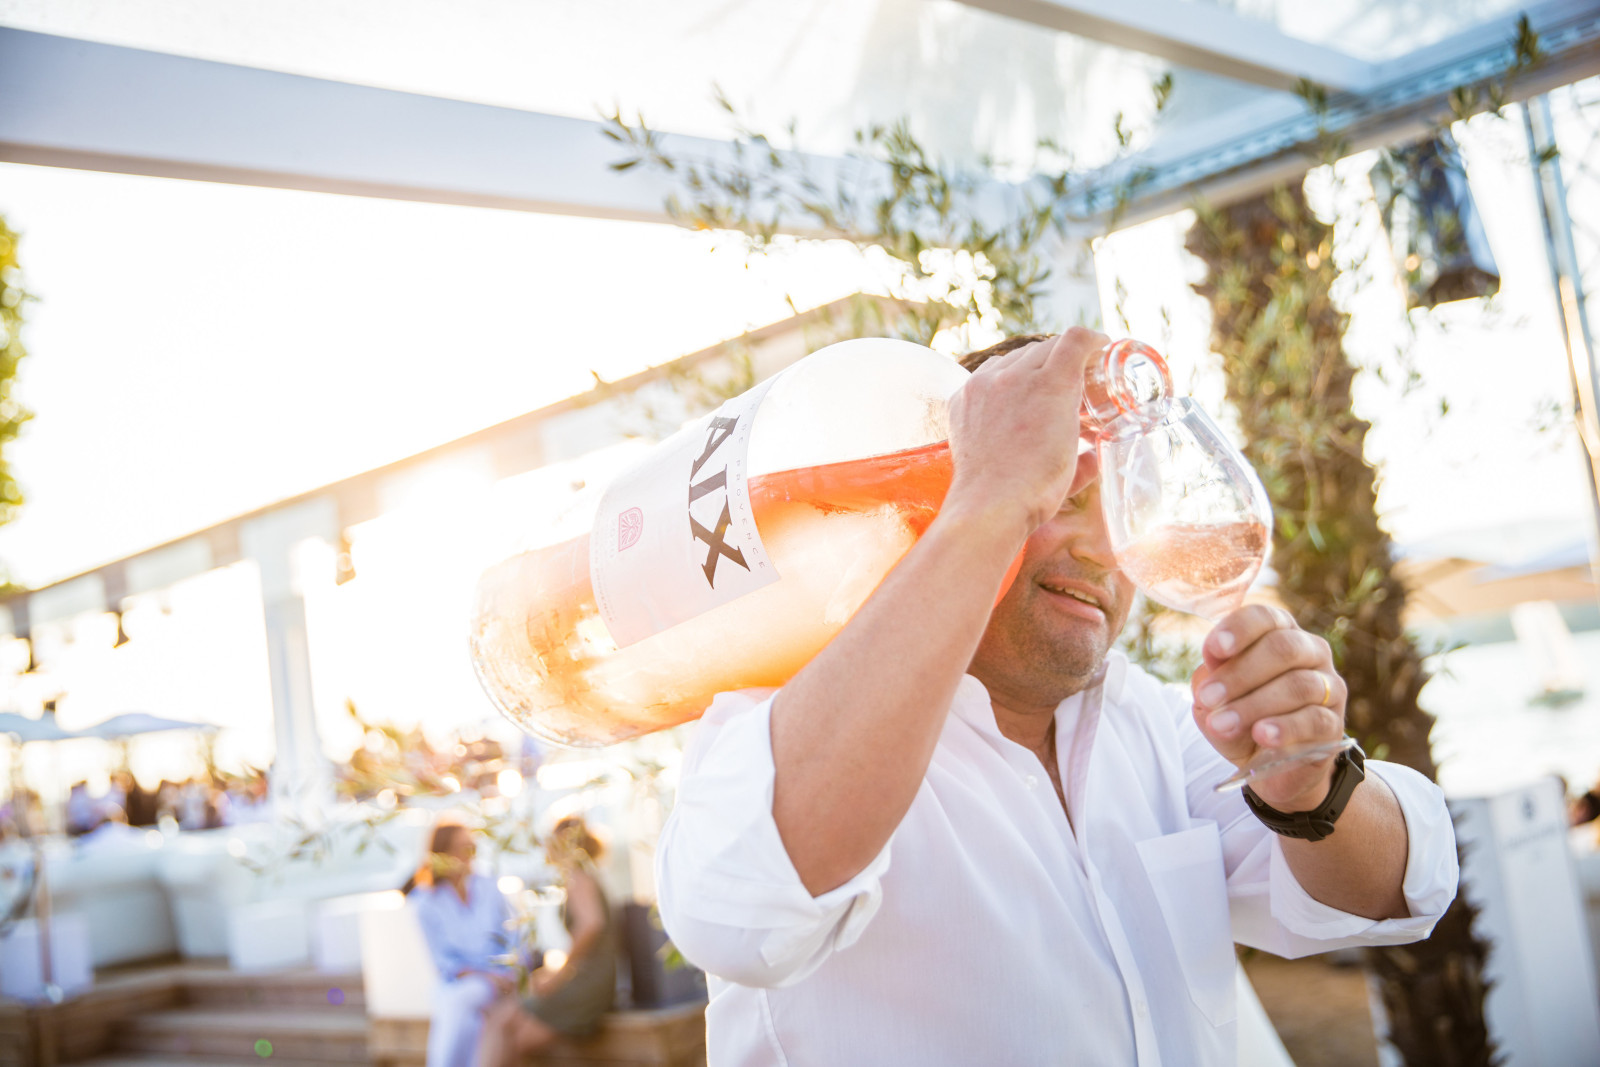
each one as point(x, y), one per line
point(1197, 36)
point(79, 104)
point(73, 103)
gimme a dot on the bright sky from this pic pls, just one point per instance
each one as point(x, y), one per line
point(202, 349)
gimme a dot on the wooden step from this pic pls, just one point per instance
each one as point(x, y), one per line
point(136, 1060)
point(330, 1036)
point(656, 1037)
point(224, 990)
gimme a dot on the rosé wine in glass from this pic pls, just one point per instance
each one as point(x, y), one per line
point(1190, 525)
point(1203, 569)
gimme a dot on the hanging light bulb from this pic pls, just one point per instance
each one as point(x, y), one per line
point(344, 564)
point(115, 582)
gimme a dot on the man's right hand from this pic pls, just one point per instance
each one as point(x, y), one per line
point(1014, 431)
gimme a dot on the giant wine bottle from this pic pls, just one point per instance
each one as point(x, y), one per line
point(740, 546)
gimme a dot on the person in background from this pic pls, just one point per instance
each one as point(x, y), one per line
point(464, 921)
point(166, 801)
point(191, 805)
point(1583, 809)
point(136, 802)
point(112, 831)
point(23, 814)
point(568, 1000)
point(83, 810)
point(250, 800)
point(216, 805)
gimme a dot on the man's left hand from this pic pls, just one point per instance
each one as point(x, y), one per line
point(1267, 684)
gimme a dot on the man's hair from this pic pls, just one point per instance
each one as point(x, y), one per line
point(973, 360)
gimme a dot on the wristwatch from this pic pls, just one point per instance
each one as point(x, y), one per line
point(1349, 770)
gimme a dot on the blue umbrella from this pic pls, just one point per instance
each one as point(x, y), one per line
point(25, 729)
point(133, 723)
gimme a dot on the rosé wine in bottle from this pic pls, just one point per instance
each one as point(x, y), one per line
point(733, 553)
point(832, 532)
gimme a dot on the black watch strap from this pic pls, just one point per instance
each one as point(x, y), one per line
point(1349, 770)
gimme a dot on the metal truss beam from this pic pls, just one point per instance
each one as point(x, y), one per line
point(1197, 36)
point(1247, 150)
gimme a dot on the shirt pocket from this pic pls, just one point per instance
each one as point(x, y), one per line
point(1186, 874)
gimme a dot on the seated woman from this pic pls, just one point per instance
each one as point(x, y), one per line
point(464, 920)
point(570, 999)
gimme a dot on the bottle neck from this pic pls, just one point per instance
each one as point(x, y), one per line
point(1127, 378)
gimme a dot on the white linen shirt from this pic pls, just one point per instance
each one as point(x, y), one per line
point(990, 930)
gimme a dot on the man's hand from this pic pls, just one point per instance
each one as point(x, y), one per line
point(1267, 684)
point(1014, 430)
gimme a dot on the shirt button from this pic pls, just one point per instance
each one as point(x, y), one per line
point(1141, 1009)
point(1031, 781)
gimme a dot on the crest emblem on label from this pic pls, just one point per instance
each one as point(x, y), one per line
point(630, 525)
point(685, 514)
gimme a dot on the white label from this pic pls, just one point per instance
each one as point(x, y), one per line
point(674, 537)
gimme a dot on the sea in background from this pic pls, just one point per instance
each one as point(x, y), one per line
point(1493, 735)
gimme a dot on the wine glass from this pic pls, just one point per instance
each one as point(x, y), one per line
point(1190, 525)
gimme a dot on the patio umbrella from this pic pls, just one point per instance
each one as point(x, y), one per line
point(133, 723)
point(27, 730)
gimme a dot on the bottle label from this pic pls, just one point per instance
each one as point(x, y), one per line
point(675, 537)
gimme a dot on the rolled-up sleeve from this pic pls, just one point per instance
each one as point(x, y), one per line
point(1270, 909)
point(1430, 881)
point(730, 898)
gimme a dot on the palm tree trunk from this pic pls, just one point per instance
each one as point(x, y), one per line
point(1269, 280)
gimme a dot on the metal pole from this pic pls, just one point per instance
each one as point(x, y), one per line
point(1565, 271)
point(46, 1014)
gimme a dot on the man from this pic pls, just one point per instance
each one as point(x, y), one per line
point(964, 836)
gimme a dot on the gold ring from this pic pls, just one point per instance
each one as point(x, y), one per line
point(1327, 690)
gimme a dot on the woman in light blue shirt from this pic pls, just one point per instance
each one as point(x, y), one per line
point(465, 921)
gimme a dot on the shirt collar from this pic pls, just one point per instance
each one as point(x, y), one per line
point(973, 706)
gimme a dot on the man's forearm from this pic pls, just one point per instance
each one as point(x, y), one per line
point(854, 732)
point(1361, 866)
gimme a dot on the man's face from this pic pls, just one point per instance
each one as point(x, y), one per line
point(1045, 639)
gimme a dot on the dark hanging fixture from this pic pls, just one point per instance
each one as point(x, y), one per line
point(22, 630)
point(1440, 247)
point(115, 582)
